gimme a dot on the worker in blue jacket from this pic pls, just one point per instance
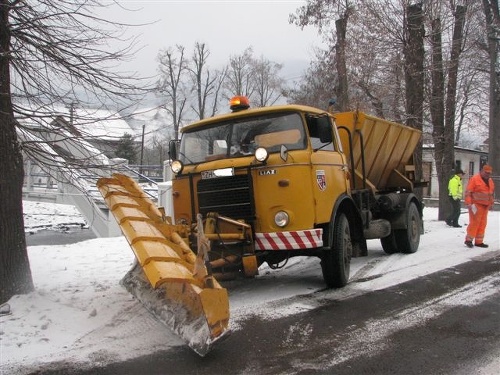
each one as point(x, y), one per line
point(455, 191)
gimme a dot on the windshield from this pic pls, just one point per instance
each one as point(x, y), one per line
point(243, 137)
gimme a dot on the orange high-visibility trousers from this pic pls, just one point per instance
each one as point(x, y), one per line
point(477, 224)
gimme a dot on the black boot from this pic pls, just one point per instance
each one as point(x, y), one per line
point(481, 245)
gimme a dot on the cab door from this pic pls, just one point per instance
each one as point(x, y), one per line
point(329, 172)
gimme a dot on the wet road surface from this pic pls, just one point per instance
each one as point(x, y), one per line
point(444, 323)
point(59, 236)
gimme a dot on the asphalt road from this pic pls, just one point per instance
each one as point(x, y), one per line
point(444, 323)
point(62, 236)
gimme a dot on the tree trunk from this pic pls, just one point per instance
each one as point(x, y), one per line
point(342, 95)
point(414, 78)
point(16, 274)
point(491, 10)
point(448, 160)
point(443, 161)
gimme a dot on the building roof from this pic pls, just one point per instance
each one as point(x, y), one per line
point(101, 124)
point(457, 148)
point(86, 122)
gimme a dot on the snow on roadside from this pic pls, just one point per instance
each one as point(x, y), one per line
point(39, 216)
point(79, 311)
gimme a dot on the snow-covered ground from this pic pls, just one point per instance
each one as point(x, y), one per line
point(39, 216)
point(79, 313)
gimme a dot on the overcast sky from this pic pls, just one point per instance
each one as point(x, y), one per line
point(226, 27)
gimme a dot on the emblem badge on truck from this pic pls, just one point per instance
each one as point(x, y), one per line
point(321, 179)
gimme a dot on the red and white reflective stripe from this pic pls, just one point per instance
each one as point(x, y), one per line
point(303, 239)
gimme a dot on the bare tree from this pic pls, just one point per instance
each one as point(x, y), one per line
point(321, 14)
point(471, 96)
point(492, 15)
point(157, 152)
point(340, 52)
point(16, 275)
point(50, 52)
point(443, 165)
point(257, 79)
point(451, 104)
point(451, 92)
point(443, 103)
point(268, 84)
point(387, 69)
point(240, 75)
point(173, 66)
point(315, 88)
point(218, 87)
point(377, 64)
point(364, 54)
point(414, 53)
point(207, 84)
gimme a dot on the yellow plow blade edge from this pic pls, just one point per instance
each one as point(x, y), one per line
point(166, 278)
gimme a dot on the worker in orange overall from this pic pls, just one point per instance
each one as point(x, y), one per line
point(478, 199)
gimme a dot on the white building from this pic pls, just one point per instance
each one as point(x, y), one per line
point(470, 161)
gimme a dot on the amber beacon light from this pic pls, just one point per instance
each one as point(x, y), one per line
point(237, 103)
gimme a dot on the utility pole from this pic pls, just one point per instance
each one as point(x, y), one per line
point(142, 147)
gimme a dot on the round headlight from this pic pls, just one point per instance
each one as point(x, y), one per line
point(281, 219)
point(176, 166)
point(261, 154)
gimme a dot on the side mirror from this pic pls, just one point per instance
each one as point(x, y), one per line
point(324, 129)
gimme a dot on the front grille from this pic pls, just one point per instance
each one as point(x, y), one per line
point(228, 196)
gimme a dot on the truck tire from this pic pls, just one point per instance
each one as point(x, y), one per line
point(408, 239)
point(336, 262)
point(389, 244)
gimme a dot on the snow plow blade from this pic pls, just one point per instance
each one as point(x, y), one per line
point(169, 279)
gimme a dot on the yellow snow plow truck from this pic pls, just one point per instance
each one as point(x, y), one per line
point(261, 186)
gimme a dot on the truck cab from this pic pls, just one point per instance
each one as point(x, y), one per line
point(283, 172)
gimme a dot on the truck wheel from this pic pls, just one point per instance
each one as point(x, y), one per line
point(408, 239)
point(336, 262)
point(389, 244)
